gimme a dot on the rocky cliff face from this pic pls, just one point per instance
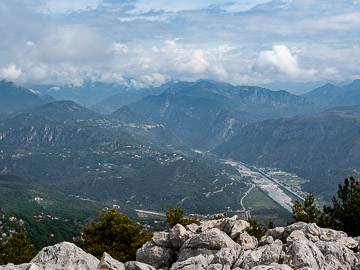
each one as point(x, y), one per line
point(218, 244)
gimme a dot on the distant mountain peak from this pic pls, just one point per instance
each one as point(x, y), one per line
point(355, 85)
point(15, 98)
point(63, 111)
point(330, 95)
point(327, 85)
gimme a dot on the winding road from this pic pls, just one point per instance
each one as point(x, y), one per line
point(247, 212)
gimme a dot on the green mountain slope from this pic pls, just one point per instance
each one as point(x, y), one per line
point(90, 159)
point(323, 147)
point(205, 114)
point(46, 216)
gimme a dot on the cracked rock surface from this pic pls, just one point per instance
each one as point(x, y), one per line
point(217, 245)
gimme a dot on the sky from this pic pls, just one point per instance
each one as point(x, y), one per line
point(148, 43)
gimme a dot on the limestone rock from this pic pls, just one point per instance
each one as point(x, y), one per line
point(299, 226)
point(297, 235)
point(65, 256)
point(357, 239)
point(312, 229)
point(211, 224)
point(337, 254)
point(276, 233)
point(266, 240)
point(178, 235)
point(247, 241)
point(161, 239)
point(218, 266)
point(25, 266)
point(62, 256)
point(348, 242)
point(206, 243)
point(331, 235)
point(303, 253)
point(226, 257)
point(230, 226)
point(109, 263)
point(194, 263)
point(156, 256)
point(132, 265)
point(273, 266)
point(239, 227)
point(188, 253)
point(192, 227)
point(264, 255)
point(213, 239)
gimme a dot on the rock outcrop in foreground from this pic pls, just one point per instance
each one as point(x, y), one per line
point(218, 245)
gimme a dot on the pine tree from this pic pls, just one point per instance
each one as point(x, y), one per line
point(310, 209)
point(308, 213)
point(345, 213)
point(176, 216)
point(255, 229)
point(270, 225)
point(298, 211)
point(116, 234)
point(17, 250)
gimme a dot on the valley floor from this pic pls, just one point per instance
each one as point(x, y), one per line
point(270, 182)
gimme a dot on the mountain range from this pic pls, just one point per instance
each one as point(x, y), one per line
point(68, 148)
point(205, 114)
point(147, 143)
point(86, 94)
point(330, 95)
point(100, 96)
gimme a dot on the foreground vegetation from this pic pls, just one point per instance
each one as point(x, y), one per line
point(116, 234)
point(17, 250)
point(343, 215)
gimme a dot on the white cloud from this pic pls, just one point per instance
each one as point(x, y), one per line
point(174, 60)
point(152, 18)
point(63, 6)
point(331, 71)
point(283, 60)
point(156, 41)
point(118, 47)
point(55, 88)
point(175, 6)
point(11, 72)
point(73, 43)
point(29, 43)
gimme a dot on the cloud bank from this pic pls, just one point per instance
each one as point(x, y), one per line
point(152, 42)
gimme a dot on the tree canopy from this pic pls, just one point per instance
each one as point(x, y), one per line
point(255, 229)
point(116, 234)
point(176, 216)
point(17, 250)
point(343, 215)
point(309, 212)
